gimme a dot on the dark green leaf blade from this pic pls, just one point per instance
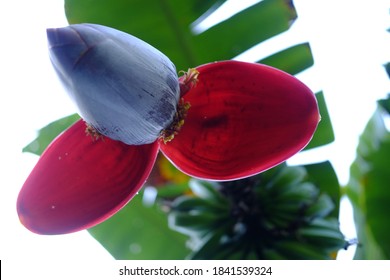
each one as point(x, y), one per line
point(244, 30)
point(292, 60)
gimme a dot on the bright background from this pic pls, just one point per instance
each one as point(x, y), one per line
point(349, 44)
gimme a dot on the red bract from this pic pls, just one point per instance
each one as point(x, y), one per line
point(244, 118)
point(80, 181)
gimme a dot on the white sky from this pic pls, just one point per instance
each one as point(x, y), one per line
point(349, 42)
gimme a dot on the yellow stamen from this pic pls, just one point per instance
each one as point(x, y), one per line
point(169, 133)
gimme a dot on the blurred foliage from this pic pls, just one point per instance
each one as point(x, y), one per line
point(368, 188)
point(385, 104)
point(387, 68)
point(323, 176)
point(140, 231)
point(283, 213)
point(277, 214)
point(368, 185)
point(48, 133)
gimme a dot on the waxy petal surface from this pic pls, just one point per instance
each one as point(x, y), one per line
point(122, 86)
point(80, 181)
point(244, 118)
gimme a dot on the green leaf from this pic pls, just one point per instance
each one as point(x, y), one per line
point(324, 177)
point(385, 104)
point(167, 25)
point(324, 133)
point(368, 190)
point(387, 68)
point(244, 30)
point(292, 60)
point(48, 133)
point(140, 232)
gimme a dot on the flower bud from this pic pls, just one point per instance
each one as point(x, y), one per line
point(123, 87)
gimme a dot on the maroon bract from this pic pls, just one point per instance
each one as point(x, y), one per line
point(244, 118)
point(80, 181)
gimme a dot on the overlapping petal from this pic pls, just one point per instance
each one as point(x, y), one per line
point(80, 181)
point(244, 118)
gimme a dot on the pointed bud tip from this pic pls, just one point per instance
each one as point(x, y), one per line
point(66, 46)
point(62, 36)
